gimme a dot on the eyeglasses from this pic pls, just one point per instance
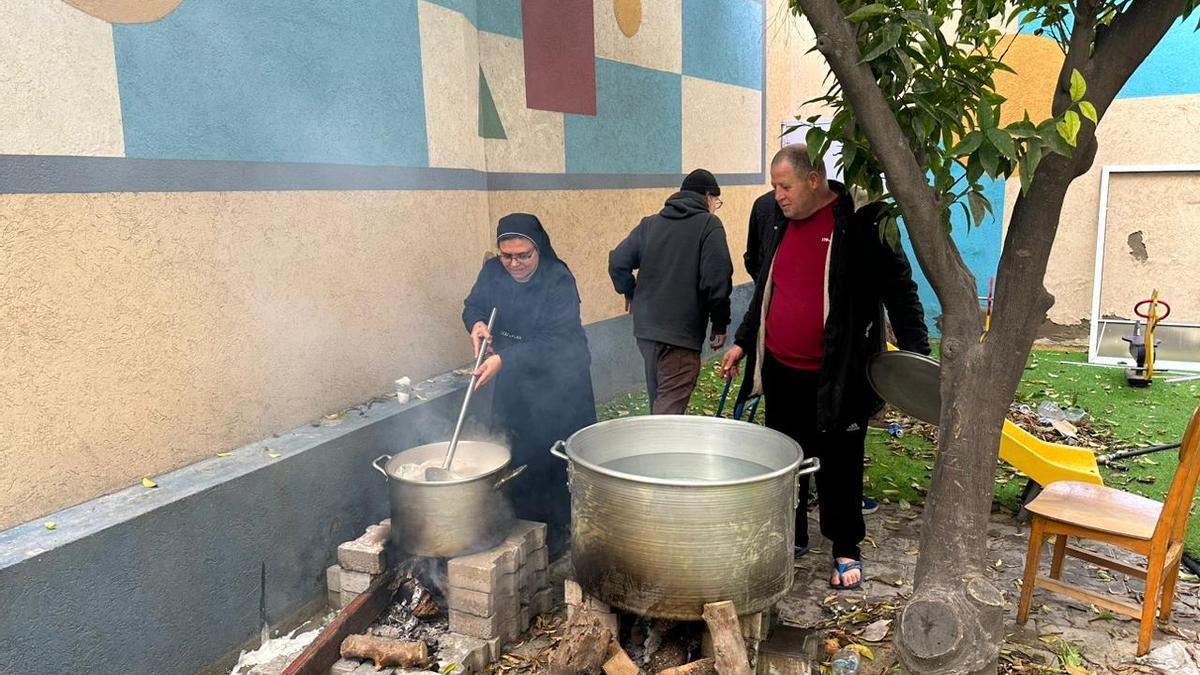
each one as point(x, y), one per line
point(718, 202)
point(518, 257)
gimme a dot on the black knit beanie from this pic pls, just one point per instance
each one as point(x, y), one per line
point(701, 181)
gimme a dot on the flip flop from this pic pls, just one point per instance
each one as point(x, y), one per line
point(841, 568)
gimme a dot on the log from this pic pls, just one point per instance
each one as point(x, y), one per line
point(702, 667)
point(318, 657)
point(729, 651)
point(618, 662)
point(583, 648)
point(385, 651)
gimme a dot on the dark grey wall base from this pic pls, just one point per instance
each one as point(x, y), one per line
point(171, 580)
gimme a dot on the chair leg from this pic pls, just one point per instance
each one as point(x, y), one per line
point(1168, 593)
point(1154, 588)
point(1032, 557)
point(1060, 550)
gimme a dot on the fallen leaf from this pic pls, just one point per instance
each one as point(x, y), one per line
point(877, 631)
point(904, 505)
point(51, 525)
point(147, 483)
point(863, 650)
point(224, 454)
point(273, 453)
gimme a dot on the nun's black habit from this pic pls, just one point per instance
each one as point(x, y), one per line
point(543, 392)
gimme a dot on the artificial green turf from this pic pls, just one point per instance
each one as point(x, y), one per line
point(898, 469)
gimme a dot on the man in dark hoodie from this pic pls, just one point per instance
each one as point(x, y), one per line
point(683, 283)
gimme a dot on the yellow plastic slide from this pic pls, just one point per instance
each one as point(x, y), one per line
point(1047, 462)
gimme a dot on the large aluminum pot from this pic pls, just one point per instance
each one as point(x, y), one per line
point(449, 518)
point(670, 512)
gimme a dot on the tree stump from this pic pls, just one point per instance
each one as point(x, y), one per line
point(385, 651)
point(729, 651)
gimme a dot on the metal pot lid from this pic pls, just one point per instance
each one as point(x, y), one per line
point(909, 381)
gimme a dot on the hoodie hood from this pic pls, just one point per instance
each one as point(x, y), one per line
point(684, 204)
point(527, 225)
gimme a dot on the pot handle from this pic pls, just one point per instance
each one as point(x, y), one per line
point(380, 468)
point(556, 450)
point(513, 474)
point(808, 466)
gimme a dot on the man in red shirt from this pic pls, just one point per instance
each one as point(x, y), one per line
point(815, 319)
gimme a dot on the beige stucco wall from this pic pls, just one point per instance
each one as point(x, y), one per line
point(146, 331)
point(1159, 130)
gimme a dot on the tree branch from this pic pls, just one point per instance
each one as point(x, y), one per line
point(1123, 47)
point(906, 178)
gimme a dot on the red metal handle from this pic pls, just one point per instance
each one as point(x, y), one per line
point(1137, 309)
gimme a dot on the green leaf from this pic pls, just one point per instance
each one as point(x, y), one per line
point(968, 144)
point(889, 233)
point(1002, 142)
point(987, 117)
point(922, 19)
point(1089, 111)
point(979, 206)
point(891, 37)
point(864, 13)
point(1078, 86)
point(1068, 128)
point(1026, 175)
point(815, 138)
point(990, 159)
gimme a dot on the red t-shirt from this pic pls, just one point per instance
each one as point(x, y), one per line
point(796, 315)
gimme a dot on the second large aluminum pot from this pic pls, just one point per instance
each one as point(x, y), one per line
point(669, 512)
point(441, 519)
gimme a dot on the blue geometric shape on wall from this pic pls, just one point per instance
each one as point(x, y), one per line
point(637, 127)
point(1173, 67)
point(723, 41)
point(275, 81)
point(501, 16)
point(979, 247)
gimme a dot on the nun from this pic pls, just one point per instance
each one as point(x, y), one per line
point(539, 364)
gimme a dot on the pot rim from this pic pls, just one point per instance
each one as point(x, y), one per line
point(681, 482)
point(391, 475)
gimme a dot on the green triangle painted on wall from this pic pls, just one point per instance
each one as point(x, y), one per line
point(490, 125)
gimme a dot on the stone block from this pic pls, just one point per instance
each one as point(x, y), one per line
point(345, 598)
point(333, 599)
point(471, 655)
point(542, 601)
point(344, 667)
point(367, 553)
point(333, 577)
point(368, 668)
point(539, 558)
point(532, 535)
point(572, 593)
point(790, 651)
point(481, 571)
point(526, 616)
point(356, 582)
point(756, 626)
point(476, 602)
point(500, 624)
point(496, 647)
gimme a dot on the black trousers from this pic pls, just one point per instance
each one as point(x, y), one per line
point(792, 409)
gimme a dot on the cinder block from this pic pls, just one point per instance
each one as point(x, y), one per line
point(533, 580)
point(367, 553)
point(495, 648)
point(356, 582)
point(345, 598)
point(481, 571)
point(476, 602)
point(471, 654)
point(526, 616)
point(333, 577)
point(333, 599)
point(500, 624)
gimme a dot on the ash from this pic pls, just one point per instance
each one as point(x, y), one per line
point(418, 609)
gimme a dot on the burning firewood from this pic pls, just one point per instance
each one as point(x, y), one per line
point(702, 667)
point(726, 631)
point(385, 651)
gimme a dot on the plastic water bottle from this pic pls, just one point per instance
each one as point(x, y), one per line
point(895, 430)
point(845, 662)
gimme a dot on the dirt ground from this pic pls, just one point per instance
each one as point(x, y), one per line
point(1060, 631)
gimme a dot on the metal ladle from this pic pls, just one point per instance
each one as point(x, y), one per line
point(442, 473)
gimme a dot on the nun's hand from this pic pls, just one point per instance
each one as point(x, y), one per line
point(488, 370)
point(479, 333)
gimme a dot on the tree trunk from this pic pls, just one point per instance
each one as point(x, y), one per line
point(954, 621)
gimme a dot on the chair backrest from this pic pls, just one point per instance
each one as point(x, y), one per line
point(1183, 486)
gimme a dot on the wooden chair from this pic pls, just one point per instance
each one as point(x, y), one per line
point(1147, 527)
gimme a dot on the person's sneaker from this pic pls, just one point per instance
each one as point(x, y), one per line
point(799, 552)
point(869, 506)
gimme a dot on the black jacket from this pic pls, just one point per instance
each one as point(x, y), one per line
point(765, 221)
point(684, 276)
point(865, 275)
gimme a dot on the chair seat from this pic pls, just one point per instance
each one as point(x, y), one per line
point(1099, 508)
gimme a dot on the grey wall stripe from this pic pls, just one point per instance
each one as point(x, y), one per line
point(43, 174)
